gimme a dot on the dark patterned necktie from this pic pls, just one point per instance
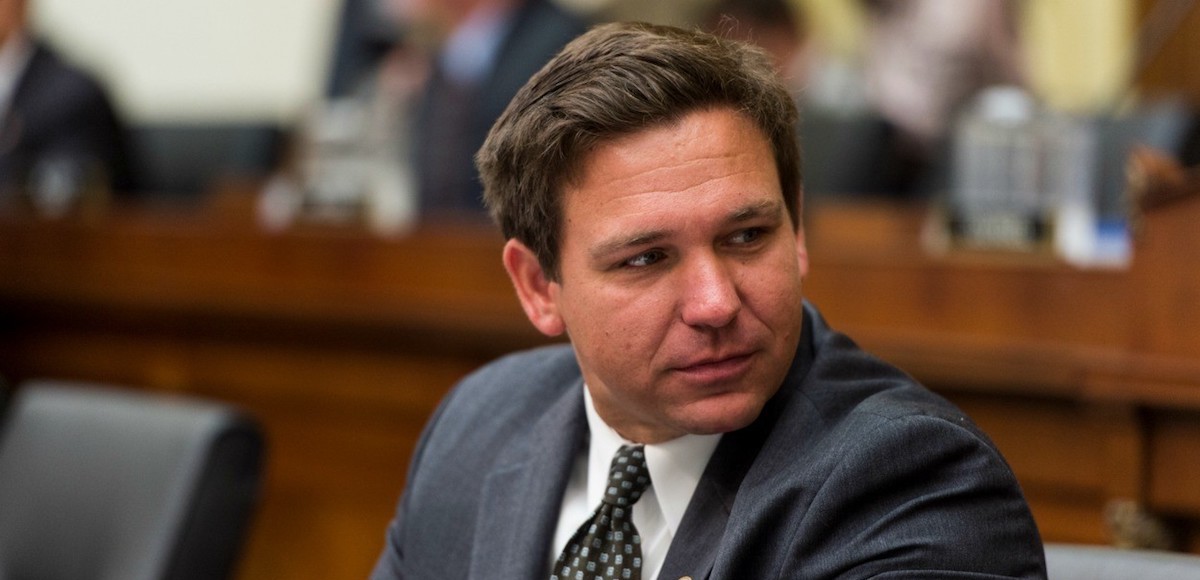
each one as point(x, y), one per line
point(607, 547)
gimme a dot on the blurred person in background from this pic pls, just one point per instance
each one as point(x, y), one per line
point(880, 124)
point(924, 60)
point(58, 128)
point(483, 51)
point(414, 87)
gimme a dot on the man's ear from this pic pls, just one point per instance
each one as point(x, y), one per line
point(802, 252)
point(538, 294)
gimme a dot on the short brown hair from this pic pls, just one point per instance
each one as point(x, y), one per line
point(614, 80)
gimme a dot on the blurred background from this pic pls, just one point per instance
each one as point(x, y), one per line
point(269, 60)
point(271, 205)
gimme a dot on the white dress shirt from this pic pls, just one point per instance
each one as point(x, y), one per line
point(675, 469)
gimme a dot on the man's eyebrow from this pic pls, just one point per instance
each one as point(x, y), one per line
point(636, 240)
point(764, 208)
point(755, 210)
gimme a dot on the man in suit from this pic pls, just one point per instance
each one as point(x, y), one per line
point(648, 183)
point(56, 122)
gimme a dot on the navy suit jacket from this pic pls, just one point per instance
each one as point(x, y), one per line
point(852, 470)
point(59, 111)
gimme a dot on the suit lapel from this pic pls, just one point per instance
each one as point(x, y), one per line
point(696, 543)
point(522, 496)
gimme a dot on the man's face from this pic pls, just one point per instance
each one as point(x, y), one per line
point(679, 280)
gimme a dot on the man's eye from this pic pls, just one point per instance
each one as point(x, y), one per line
point(644, 259)
point(747, 236)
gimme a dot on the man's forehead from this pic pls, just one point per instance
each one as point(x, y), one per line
point(699, 137)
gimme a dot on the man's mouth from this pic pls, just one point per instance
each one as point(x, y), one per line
point(718, 368)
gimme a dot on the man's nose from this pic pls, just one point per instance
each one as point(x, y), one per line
point(709, 294)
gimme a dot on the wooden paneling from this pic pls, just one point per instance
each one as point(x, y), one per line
point(1175, 464)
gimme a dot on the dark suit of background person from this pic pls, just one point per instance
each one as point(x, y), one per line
point(59, 112)
point(452, 120)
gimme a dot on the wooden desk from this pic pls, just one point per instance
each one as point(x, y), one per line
point(342, 344)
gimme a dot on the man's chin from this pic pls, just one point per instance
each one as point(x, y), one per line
point(723, 414)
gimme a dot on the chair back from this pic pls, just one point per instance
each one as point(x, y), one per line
point(107, 484)
point(187, 160)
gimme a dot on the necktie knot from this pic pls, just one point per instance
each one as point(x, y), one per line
point(628, 476)
point(607, 546)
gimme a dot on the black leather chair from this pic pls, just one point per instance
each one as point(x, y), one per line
point(184, 160)
point(99, 483)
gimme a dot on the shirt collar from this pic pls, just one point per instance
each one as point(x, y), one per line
point(675, 466)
